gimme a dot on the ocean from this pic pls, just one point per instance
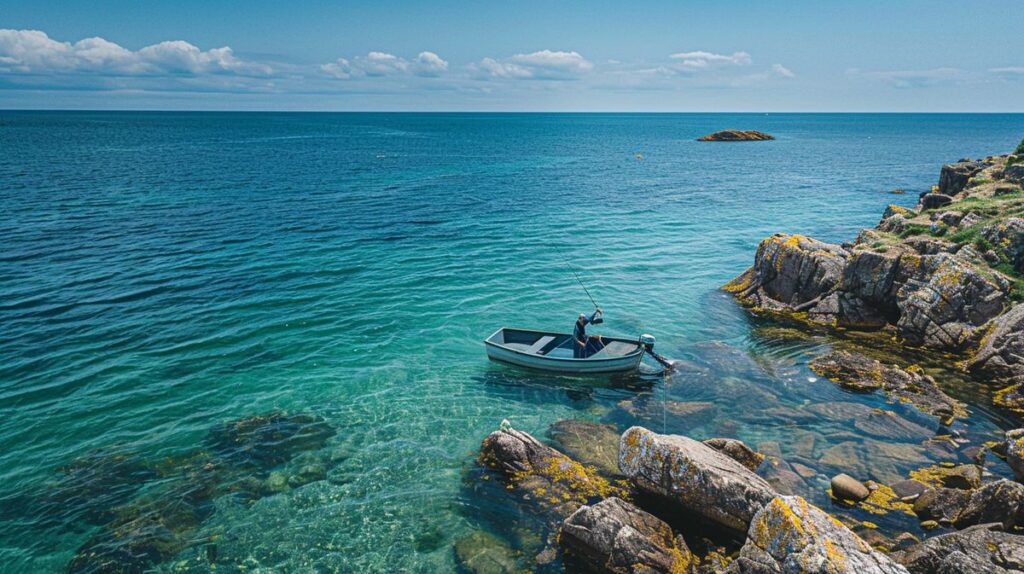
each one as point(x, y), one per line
point(164, 274)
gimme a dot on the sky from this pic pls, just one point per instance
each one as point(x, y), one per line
point(391, 55)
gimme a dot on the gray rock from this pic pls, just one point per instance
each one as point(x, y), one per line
point(1009, 236)
point(980, 549)
point(738, 451)
point(615, 536)
point(1001, 353)
point(1015, 452)
point(942, 505)
point(954, 177)
point(790, 536)
point(1000, 501)
point(909, 489)
point(693, 475)
point(845, 487)
point(935, 200)
point(791, 270)
point(946, 302)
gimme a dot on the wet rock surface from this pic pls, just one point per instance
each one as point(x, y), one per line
point(857, 372)
point(738, 451)
point(589, 442)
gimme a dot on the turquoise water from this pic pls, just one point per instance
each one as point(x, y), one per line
point(164, 273)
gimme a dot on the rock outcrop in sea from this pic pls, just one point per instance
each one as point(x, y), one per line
point(736, 136)
point(946, 276)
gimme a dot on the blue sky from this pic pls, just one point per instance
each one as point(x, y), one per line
point(821, 55)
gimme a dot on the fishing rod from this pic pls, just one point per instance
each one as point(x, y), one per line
point(598, 319)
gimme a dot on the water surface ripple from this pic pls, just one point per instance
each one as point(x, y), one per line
point(162, 273)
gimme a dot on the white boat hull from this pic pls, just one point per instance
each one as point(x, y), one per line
point(497, 351)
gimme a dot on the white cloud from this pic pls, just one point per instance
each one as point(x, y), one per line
point(700, 60)
point(1011, 70)
point(383, 64)
point(340, 68)
point(782, 71)
point(430, 64)
point(33, 52)
point(541, 65)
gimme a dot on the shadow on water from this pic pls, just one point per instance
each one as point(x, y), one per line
point(539, 387)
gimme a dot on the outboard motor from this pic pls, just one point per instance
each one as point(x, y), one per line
point(647, 341)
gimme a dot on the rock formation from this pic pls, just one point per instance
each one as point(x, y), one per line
point(790, 536)
point(693, 475)
point(736, 136)
point(615, 536)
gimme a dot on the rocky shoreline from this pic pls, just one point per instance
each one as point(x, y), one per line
point(939, 281)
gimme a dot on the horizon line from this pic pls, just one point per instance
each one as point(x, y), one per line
point(384, 111)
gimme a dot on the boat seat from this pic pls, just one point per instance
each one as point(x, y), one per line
point(617, 348)
point(533, 350)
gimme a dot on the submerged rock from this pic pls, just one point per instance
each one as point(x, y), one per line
point(981, 549)
point(736, 136)
point(790, 536)
point(484, 553)
point(265, 441)
point(646, 408)
point(615, 536)
point(91, 486)
point(738, 451)
point(589, 442)
point(694, 475)
point(857, 372)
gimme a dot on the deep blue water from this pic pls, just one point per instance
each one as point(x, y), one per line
point(162, 273)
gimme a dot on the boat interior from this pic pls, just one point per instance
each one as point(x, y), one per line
point(554, 345)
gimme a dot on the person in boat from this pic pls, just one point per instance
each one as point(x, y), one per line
point(584, 345)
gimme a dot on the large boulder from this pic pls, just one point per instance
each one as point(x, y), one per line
point(542, 475)
point(1001, 351)
point(981, 549)
point(615, 536)
point(790, 536)
point(694, 475)
point(857, 372)
point(1001, 501)
point(790, 270)
point(934, 200)
point(954, 177)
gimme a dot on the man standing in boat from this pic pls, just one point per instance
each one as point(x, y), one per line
point(584, 345)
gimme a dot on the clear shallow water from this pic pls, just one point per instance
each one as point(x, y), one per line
point(164, 273)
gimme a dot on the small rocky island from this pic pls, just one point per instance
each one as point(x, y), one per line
point(942, 280)
point(736, 136)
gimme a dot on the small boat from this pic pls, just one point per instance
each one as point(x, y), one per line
point(553, 351)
